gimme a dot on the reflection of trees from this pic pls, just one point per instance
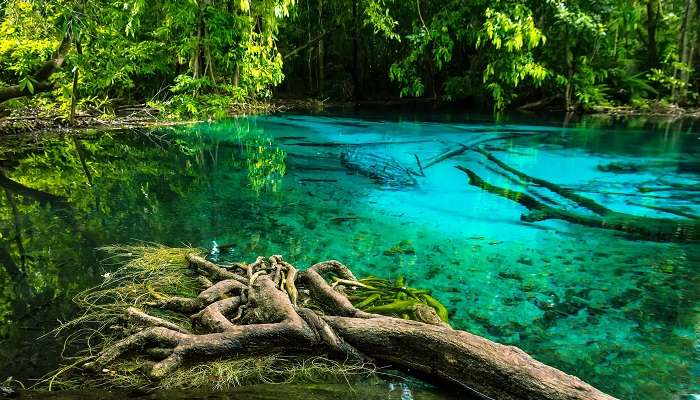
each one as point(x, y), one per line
point(264, 162)
point(40, 196)
point(65, 197)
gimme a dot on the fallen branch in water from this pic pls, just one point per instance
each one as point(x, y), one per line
point(463, 148)
point(658, 229)
point(268, 308)
point(444, 156)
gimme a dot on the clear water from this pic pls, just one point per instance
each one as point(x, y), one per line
point(622, 314)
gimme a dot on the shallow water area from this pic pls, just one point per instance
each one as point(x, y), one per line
point(619, 312)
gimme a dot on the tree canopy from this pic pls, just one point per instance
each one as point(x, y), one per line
point(202, 57)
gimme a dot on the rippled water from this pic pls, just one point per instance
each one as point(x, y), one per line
point(619, 312)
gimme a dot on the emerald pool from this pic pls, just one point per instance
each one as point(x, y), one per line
point(619, 312)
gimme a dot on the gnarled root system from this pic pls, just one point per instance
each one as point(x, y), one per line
point(270, 308)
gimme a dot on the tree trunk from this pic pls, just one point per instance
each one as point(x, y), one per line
point(17, 220)
point(42, 197)
point(488, 368)
point(196, 61)
point(274, 313)
point(652, 23)
point(76, 75)
point(321, 59)
point(309, 53)
point(568, 91)
point(686, 48)
point(355, 61)
point(208, 60)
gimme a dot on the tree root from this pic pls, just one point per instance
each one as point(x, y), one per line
point(269, 308)
point(656, 229)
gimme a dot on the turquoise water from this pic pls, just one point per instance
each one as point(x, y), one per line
point(621, 313)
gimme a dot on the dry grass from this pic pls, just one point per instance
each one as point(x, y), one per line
point(224, 374)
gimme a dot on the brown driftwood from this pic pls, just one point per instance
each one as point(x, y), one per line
point(280, 311)
point(657, 229)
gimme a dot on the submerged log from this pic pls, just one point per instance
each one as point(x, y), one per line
point(656, 229)
point(460, 149)
point(268, 308)
point(380, 168)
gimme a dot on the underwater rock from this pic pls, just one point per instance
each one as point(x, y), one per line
point(403, 247)
point(524, 260)
point(380, 168)
point(510, 275)
point(620, 168)
point(433, 271)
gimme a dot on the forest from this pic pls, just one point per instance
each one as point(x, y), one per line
point(208, 58)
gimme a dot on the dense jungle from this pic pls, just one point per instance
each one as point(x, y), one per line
point(203, 59)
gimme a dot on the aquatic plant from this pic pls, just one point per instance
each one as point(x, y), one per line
point(393, 298)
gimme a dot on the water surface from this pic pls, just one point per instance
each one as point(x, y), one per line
point(623, 314)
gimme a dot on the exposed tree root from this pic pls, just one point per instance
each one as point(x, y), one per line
point(657, 229)
point(269, 308)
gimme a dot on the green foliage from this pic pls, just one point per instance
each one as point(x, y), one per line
point(588, 85)
point(512, 37)
point(668, 76)
point(581, 53)
point(24, 45)
point(137, 51)
point(377, 16)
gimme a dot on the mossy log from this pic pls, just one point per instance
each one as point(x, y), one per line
point(269, 307)
point(655, 229)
